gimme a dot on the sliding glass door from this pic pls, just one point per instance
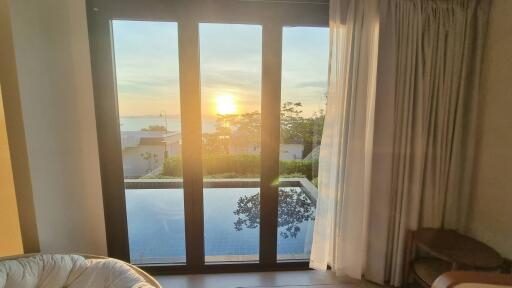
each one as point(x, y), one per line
point(303, 100)
point(148, 97)
point(209, 125)
point(231, 130)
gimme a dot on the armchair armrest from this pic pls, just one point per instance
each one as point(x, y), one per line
point(455, 278)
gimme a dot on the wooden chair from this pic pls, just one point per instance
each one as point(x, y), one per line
point(507, 266)
point(430, 253)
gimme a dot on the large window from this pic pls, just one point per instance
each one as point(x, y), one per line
point(209, 126)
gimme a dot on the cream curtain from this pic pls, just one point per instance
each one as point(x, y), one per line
point(426, 103)
point(398, 136)
point(345, 156)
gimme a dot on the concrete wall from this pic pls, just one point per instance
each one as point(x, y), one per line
point(491, 215)
point(53, 62)
point(135, 166)
point(291, 152)
point(11, 243)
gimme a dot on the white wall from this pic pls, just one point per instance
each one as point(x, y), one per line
point(135, 166)
point(53, 61)
point(491, 216)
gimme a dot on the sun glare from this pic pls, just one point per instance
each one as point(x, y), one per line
point(225, 105)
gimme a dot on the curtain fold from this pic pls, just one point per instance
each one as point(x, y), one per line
point(340, 233)
point(426, 103)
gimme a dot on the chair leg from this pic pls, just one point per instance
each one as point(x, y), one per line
point(407, 258)
point(506, 267)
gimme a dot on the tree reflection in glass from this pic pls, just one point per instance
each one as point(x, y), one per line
point(295, 208)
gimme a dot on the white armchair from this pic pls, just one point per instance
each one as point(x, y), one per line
point(73, 271)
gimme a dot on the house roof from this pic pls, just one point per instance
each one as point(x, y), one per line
point(132, 139)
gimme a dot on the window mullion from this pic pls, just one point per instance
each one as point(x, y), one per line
point(109, 142)
point(190, 94)
point(270, 135)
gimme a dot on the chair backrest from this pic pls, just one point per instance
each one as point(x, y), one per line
point(148, 278)
point(468, 279)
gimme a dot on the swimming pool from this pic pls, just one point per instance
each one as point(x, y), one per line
point(156, 226)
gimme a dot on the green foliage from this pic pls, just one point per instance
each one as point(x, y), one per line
point(172, 167)
point(298, 167)
point(231, 151)
point(315, 182)
point(236, 131)
point(243, 131)
point(240, 166)
point(295, 128)
point(151, 160)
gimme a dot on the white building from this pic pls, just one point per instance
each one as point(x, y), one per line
point(291, 151)
point(286, 151)
point(143, 151)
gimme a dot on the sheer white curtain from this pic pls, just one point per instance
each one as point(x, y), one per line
point(340, 233)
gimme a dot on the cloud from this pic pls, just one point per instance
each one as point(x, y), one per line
point(147, 65)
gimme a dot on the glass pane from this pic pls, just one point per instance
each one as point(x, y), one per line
point(303, 99)
point(231, 101)
point(146, 60)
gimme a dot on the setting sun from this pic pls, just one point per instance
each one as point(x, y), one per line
point(225, 105)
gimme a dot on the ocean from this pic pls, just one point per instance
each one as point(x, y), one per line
point(137, 123)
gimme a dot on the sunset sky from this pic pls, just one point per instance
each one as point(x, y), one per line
point(146, 56)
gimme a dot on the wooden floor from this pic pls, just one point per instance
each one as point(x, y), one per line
point(294, 279)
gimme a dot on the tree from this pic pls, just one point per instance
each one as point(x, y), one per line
point(293, 125)
point(240, 131)
point(243, 131)
point(150, 158)
point(295, 207)
point(215, 144)
point(297, 129)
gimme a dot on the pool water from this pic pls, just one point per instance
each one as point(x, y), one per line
point(156, 226)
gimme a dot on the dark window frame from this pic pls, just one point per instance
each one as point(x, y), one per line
point(272, 16)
